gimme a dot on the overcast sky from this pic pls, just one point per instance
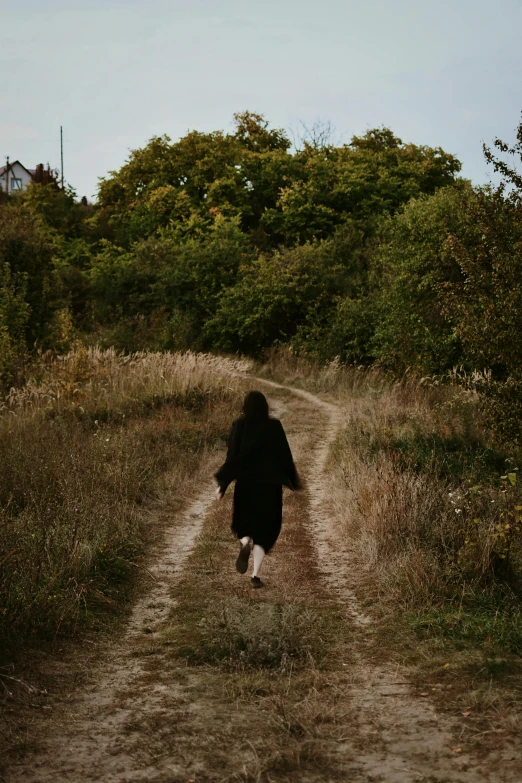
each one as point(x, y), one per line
point(116, 72)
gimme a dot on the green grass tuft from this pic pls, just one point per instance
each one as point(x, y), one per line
point(250, 635)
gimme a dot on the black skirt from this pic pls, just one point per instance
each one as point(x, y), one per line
point(258, 512)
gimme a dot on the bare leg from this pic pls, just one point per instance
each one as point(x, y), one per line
point(244, 555)
point(259, 556)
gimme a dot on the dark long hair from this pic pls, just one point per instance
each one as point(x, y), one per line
point(255, 406)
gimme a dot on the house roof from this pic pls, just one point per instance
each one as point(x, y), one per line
point(31, 172)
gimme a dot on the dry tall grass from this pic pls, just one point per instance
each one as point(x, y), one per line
point(82, 445)
point(90, 378)
point(431, 500)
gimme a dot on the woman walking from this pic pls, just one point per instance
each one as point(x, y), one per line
point(260, 460)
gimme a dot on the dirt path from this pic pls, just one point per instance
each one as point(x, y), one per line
point(215, 682)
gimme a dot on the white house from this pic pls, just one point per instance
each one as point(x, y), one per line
point(14, 177)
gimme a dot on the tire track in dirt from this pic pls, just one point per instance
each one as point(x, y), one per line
point(91, 737)
point(87, 741)
point(415, 743)
point(396, 738)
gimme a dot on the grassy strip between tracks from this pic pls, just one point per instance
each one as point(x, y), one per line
point(269, 694)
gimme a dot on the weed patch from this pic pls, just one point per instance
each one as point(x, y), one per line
point(491, 627)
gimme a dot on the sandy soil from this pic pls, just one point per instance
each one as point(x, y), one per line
point(142, 716)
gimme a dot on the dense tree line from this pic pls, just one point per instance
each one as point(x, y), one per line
point(372, 251)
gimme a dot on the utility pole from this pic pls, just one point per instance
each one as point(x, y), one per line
point(61, 150)
point(7, 174)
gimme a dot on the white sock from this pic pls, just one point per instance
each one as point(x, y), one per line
point(259, 556)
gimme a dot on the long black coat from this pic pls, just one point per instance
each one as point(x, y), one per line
point(260, 460)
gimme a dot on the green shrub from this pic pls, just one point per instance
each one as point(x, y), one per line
point(485, 303)
point(275, 296)
point(412, 329)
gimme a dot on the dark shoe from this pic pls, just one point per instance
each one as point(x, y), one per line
point(256, 582)
point(242, 558)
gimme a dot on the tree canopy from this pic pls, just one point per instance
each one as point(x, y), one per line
point(373, 250)
point(279, 195)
